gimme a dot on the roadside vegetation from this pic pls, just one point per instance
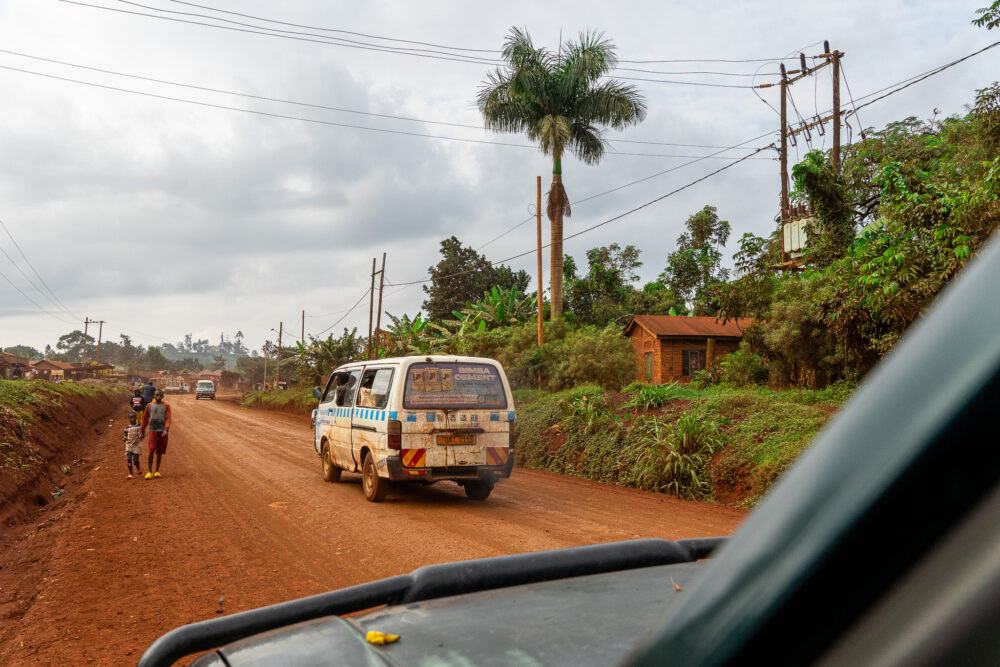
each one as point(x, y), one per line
point(22, 401)
point(721, 442)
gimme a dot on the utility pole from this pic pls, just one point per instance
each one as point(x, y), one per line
point(277, 366)
point(538, 228)
point(829, 58)
point(100, 331)
point(86, 324)
point(784, 143)
point(372, 346)
point(835, 152)
point(371, 307)
point(378, 314)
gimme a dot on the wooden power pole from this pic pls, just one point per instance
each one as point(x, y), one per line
point(100, 332)
point(371, 307)
point(541, 301)
point(538, 226)
point(277, 366)
point(378, 314)
point(86, 324)
point(784, 144)
point(835, 151)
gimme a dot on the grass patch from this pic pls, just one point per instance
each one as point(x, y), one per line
point(296, 399)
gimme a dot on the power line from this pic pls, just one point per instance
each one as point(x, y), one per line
point(631, 183)
point(921, 77)
point(314, 120)
point(456, 48)
point(35, 303)
point(35, 271)
point(310, 104)
point(592, 227)
point(350, 310)
point(346, 32)
point(340, 41)
point(322, 39)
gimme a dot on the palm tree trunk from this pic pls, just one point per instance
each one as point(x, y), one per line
point(556, 250)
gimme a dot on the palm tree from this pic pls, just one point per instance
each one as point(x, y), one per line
point(560, 101)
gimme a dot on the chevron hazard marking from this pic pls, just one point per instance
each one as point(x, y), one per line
point(496, 456)
point(414, 458)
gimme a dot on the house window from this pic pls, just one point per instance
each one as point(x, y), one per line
point(692, 361)
point(648, 357)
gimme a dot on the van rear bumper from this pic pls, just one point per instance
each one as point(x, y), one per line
point(399, 473)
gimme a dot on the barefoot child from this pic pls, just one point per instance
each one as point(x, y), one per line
point(133, 445)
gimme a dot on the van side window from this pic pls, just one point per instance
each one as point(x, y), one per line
point(345, 391)
point(375, 385)
point(331, 387)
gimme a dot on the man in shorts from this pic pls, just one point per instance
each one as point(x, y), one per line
point(156, 419)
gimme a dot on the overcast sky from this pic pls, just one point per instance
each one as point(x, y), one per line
point(165, 218)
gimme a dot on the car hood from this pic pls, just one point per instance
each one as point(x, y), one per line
point(589, 620)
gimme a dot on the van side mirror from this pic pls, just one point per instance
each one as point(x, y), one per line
point(317, 394)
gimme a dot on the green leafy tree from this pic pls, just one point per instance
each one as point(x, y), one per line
point(322, 355)
point(604, 295)
point(827, 192)
point(562, 101)
point(989, 17)
point(25, 351)
point(70, 345)
point(696, 265)
point(463, 276)
point(655, 298)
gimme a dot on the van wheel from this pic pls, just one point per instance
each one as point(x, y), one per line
point(331, 473)
point(479, 489)
point(374, 486)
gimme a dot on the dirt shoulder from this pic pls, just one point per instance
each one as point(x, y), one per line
point(242, 518)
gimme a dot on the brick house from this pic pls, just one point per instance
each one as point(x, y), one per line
point(669, 348)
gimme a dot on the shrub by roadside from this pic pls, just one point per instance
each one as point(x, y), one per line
point(719, 443)
point(297, 399)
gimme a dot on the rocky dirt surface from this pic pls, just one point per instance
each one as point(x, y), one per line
point(242, 518)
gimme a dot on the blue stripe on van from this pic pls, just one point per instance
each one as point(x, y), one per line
point(494, 417)
point(393, 415)
point(510, 416)
point(411, 416)
point(430, 416)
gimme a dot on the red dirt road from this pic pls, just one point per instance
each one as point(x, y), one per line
point(242, 518)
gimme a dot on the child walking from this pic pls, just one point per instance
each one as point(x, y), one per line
point(135, 404)
point(133, 445)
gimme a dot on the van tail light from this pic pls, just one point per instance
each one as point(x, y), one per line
point(395, 431)
point(512, 437)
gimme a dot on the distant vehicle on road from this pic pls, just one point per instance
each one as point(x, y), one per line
point(417, 419)
point(204, 389)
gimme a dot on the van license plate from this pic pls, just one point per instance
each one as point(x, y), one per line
point(456, 439)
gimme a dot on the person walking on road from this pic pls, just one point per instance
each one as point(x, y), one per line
point(135, 404)
point(133, 444)
point(156, 419)
point(148, 392)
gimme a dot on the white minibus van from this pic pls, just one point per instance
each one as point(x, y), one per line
point(417, 419)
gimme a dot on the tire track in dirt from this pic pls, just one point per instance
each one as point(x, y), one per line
point(242, 513)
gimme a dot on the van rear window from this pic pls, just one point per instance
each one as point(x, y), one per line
point(454, 385)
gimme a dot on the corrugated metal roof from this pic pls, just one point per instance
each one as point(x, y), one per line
point(678, 325)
